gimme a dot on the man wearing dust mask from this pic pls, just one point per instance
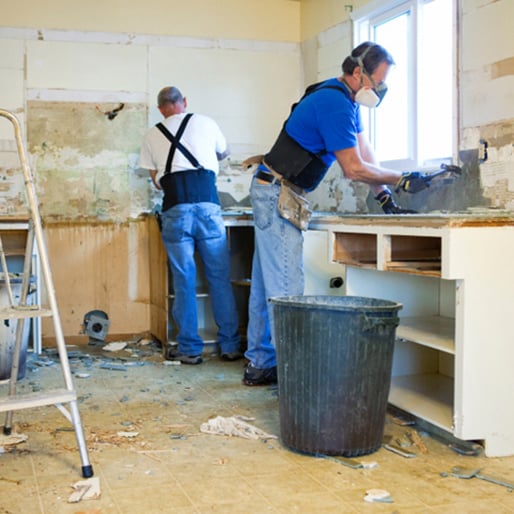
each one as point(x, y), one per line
point(324, 126)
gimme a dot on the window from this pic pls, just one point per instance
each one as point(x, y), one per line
point(414, 126)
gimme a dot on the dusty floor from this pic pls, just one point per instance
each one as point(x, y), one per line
point(170, 466)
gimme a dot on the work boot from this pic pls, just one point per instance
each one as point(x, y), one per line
point(257, 377)
point(231, 356)
point(174, 355)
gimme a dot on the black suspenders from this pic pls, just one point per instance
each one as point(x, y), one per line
point(175, 143)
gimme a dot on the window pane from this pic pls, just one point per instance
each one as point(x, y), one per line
point(436, 81)
point(391, 117)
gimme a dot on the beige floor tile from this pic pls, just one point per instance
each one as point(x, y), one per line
point(170, 466)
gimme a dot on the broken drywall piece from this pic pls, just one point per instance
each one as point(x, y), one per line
point(234, 426)
point(128, 434)
point(88, 489)
point(378, 495)
point(114, 347)
point(8, 441)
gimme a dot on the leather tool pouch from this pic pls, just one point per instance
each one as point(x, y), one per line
point(293, 207)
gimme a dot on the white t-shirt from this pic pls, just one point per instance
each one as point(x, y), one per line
point(202, 137)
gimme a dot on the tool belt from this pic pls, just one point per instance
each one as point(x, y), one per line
point(291, 205)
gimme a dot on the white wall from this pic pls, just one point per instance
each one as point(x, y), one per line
point(247, 86)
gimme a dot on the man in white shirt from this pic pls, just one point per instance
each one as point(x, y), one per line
point(182, 155)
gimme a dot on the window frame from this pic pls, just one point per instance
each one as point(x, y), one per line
point(364, 20)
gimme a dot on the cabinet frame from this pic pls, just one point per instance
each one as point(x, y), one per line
point(454, 351)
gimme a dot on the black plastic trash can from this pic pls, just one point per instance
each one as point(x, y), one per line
point(334, 361)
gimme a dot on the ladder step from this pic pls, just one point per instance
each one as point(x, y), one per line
point(27, 401)
point(24, 311)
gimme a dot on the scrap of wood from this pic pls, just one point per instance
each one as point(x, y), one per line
point(88, 489)
point(416, 439)
point(12, 439)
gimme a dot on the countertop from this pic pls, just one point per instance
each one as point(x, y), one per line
point(469, 218)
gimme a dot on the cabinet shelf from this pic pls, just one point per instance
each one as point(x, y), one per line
point(435, 332)
point(429, 396)
point(452, 362)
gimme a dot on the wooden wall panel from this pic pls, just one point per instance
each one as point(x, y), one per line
point(107, 266)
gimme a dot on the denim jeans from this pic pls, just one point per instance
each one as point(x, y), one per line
point(277, 270)
point(188, 227)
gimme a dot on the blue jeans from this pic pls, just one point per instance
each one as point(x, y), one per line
point(277, 270)
point(188, 227)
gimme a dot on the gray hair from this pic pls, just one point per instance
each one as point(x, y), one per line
point(169, 95)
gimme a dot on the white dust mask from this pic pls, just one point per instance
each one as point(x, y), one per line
point(366, 96)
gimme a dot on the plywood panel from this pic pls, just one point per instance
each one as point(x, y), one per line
point(104, 266)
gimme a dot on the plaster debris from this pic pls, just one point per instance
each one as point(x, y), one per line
point(114, 347)
point(353, 463)
point(8, 441)
point(378, 495)
point(128, 434)
point(85, 490)
point(234, 426)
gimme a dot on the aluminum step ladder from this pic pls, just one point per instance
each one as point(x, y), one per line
point(21, 310)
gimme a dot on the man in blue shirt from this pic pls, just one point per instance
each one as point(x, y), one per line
point(324, 126)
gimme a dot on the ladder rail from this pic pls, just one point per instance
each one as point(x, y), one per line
point(3, 262)
point(41, 244)
point(20, 326)
point(37, 227)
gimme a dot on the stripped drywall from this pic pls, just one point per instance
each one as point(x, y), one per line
point(64, 74)
point(83, 159)
point(86, 163)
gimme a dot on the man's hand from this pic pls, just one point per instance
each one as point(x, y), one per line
point(413, 182)
point(389, 206)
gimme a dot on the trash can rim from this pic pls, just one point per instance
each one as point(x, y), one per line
point(339, 303)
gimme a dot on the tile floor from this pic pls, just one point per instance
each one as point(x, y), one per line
point(170, 466)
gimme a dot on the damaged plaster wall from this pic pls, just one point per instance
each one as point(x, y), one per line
point(68, 74)
point(487, 96)
point(65, 84)
point(83, 159)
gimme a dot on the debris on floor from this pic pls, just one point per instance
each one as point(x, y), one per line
point(465, 448)
point(416, 440)
point(234, 426)
point(8, 442)
point(378, 495)
point(399, 451)
point(128, 434)
point(115, 347)
point(353, 463)
point(462, 472)
point(398, 446)
point(88, 489)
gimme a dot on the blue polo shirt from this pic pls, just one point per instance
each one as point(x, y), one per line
point(326, 120)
